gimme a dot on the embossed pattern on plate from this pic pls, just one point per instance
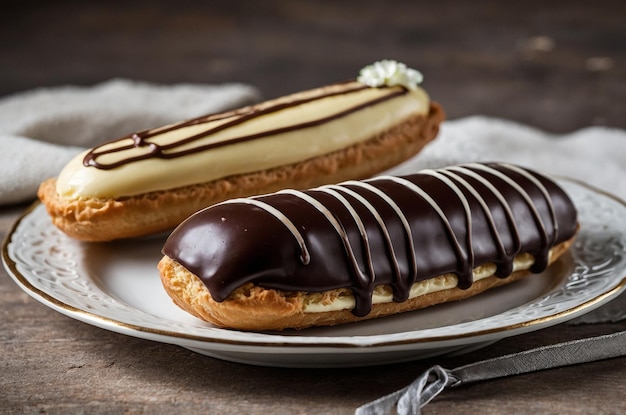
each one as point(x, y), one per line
point(116, 286)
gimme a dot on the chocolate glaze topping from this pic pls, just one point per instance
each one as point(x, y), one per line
point(169, 151)
point(387, 230)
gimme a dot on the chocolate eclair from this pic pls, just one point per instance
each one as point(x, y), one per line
point(148, 182)
point(364, 249)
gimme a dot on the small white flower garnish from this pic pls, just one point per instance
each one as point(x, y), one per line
point(390, 73)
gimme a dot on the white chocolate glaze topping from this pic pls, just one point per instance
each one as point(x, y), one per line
point(274, 133)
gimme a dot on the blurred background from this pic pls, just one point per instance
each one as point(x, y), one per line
point(556, 65)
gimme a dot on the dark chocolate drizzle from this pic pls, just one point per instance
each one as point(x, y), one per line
point(168, 151)
point(388, 230)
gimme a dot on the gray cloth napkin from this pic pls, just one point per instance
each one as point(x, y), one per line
point(410, 400)
point(42, 129)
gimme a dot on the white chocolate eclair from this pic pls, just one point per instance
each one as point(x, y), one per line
point(150, 181)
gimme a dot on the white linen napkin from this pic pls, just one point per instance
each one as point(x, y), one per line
point(595, 155)
point(42, 129)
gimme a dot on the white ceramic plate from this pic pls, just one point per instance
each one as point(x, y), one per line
point(116, 286)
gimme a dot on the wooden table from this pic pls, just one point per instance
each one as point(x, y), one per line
point(557, 67)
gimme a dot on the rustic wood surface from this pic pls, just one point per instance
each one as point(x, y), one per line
point(558, 66)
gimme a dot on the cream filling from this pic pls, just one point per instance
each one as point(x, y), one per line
point(383, 294)
point(77, 181)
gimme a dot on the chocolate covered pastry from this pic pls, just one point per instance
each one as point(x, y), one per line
point(150, 181)
point(364, 249)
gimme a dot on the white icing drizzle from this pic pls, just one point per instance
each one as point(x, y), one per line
point(336, 224)
point(505, 268)
point(505, 205)
point(418, 190)
point(518, 188)
point(405, 222)
point(466, 209)
point(305, 257)
point(463, 169)
point(543, 190)
point(357, 219)
point(381, 223)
